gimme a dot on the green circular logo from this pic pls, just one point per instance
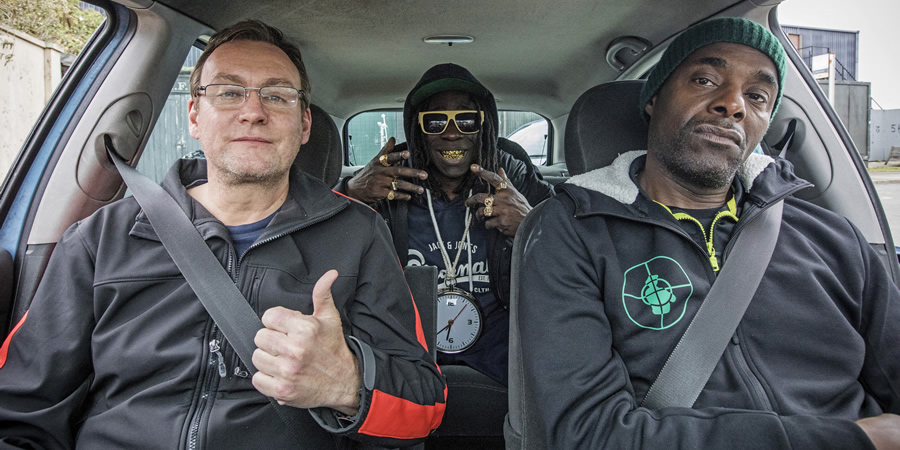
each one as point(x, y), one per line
point(656, 292)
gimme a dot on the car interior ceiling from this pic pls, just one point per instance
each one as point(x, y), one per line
point(364, 55)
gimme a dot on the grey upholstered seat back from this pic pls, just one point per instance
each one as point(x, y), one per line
point(321, 156)
point(604, 122)
point(422, 281)
point(521, 430)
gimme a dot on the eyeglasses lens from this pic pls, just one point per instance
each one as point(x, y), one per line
point(436, 123)
point(227, 95)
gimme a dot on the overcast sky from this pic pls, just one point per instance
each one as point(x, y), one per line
point(877, 21)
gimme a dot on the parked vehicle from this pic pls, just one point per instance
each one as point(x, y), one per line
point(533, 137)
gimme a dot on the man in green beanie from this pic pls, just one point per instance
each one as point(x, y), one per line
point(622, 258)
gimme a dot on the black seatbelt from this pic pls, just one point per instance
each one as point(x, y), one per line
point(203, 272)
point(695, 356)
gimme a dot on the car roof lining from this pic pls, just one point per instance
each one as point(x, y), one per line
point(344, 43)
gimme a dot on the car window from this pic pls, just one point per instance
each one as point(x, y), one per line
point(533, 137)
point(368, 132)
point(39, 41)
point(170, 138)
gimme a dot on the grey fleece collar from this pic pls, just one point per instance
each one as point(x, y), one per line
point(615, 181)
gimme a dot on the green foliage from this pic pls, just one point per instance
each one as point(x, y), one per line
point(58, 21)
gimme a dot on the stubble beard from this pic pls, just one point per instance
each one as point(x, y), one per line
point(690, 168)
point(232, 172)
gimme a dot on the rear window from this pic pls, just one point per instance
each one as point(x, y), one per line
point(367, 133)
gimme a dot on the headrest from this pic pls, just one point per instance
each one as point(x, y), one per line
point(604, 122)
point(321, 157)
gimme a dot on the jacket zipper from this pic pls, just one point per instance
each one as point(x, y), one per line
point(710, 248)
point(216, 367)
point(235, 269)
point(756, 390)
point(206, 388)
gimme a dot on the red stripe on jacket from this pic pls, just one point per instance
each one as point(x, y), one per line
point(420, 332)
point(353, 199)
point(398, 418)
point(5, 348)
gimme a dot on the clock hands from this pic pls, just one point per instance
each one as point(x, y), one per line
point(450, 322)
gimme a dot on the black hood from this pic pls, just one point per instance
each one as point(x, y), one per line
point(449, 77)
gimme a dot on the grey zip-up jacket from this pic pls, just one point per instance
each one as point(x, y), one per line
point(610, 281)
point(117, 351)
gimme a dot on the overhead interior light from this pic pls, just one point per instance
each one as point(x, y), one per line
point(449, 39)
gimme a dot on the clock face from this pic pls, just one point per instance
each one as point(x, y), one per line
point(458, 321)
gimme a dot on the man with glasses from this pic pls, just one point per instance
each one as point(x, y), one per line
point(454, 199)
point(117, 351)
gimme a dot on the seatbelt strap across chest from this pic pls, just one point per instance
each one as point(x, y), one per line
point(694, 358)
point(203, 272)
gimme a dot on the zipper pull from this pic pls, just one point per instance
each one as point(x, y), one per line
point(215, 348)
point(240, 372)
point(712, 255)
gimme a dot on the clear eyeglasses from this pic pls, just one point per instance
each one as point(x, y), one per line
point(232, 95)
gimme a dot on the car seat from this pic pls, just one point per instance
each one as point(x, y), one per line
point(422, 281)
point(604, 122)
point(321, 156)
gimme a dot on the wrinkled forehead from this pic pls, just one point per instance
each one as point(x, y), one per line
point(734, 57)
point(251, 63)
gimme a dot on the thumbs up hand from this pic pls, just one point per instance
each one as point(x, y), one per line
point(303, 360)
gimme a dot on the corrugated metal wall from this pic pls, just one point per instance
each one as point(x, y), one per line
point(817, 41)
point(170, 138)
point(885, 133)
point(851, 103)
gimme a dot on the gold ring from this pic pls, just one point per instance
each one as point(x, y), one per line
point(383, 160)
point(394, 184)
point(488, 211)
point(489, 201)
point(390, 195)
point(503, 185)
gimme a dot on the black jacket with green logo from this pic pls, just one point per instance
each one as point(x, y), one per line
point(610, 281)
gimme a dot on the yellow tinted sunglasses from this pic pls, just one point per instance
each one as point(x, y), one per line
point(436, 122)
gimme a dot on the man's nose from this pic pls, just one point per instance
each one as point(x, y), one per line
point(729, 102)
point(452, 131)
point(252, 107)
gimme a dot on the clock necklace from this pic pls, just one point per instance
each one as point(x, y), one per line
point(456, 308)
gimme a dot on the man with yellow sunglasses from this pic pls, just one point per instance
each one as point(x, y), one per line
point(453, 197)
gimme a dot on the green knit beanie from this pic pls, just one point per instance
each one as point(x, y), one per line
point(733, 30)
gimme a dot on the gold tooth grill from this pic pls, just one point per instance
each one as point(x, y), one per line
point(453, 154)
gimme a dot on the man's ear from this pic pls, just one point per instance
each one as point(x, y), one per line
point(305, 127)
point(648, 108)
point(192, 119)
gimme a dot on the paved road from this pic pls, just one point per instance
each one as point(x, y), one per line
point(889, 193)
